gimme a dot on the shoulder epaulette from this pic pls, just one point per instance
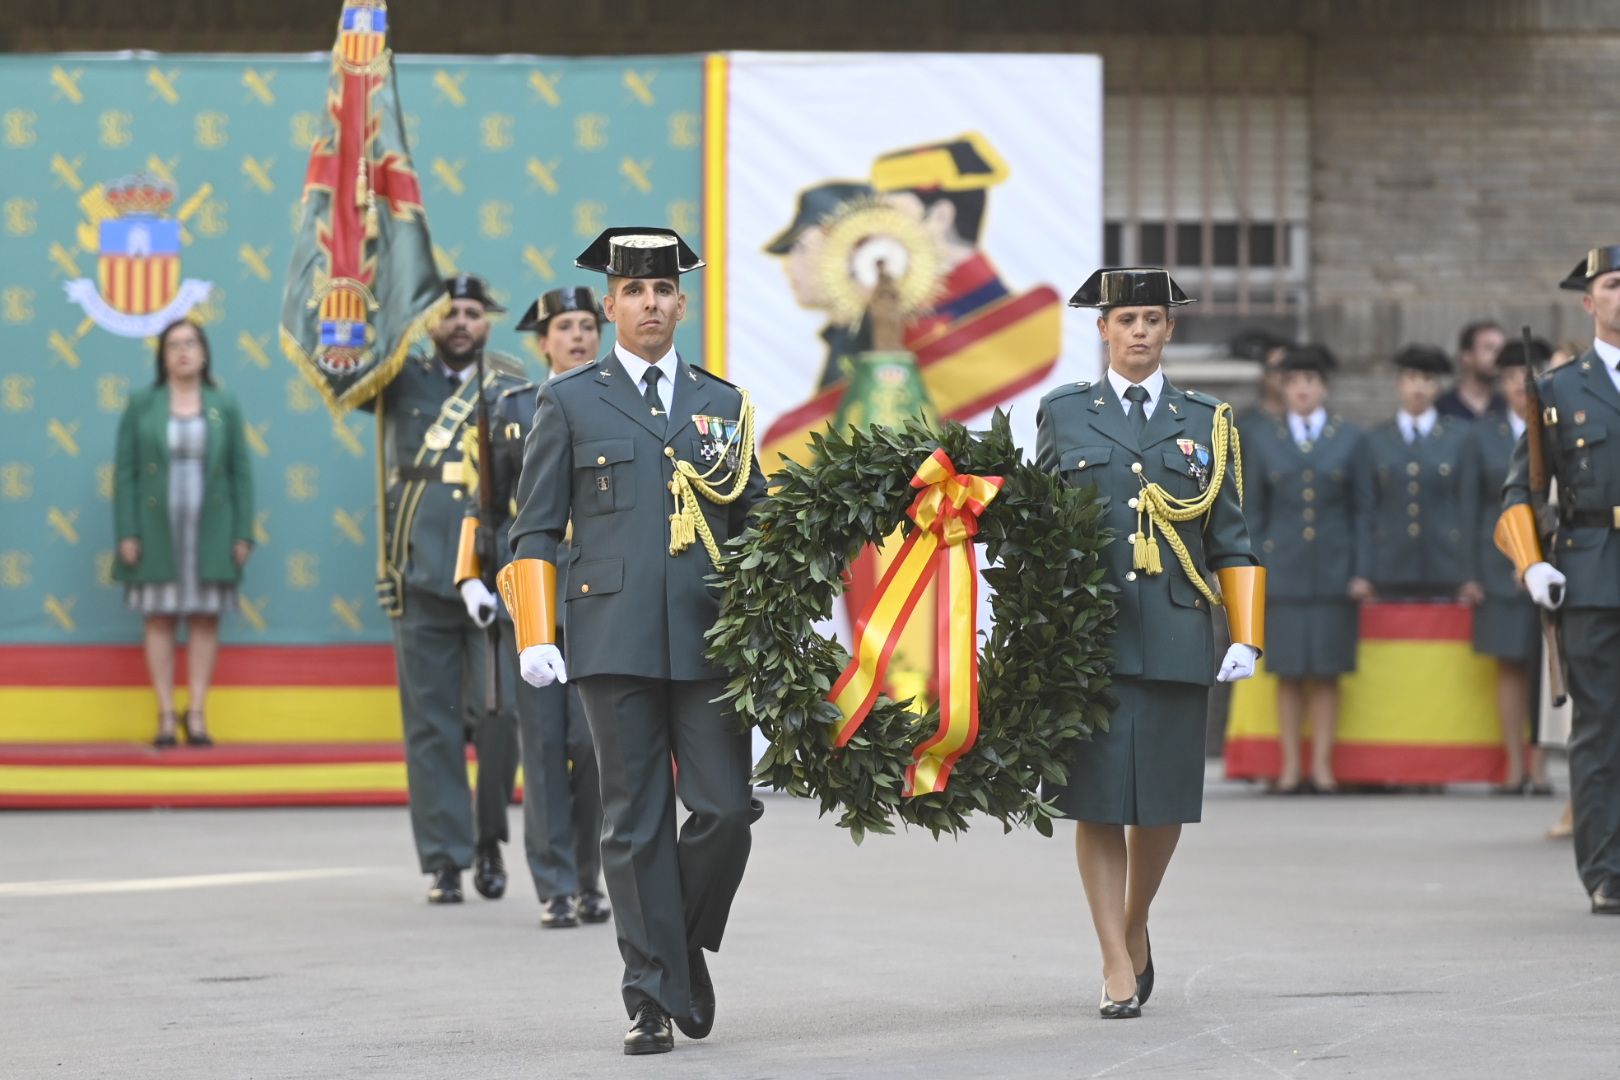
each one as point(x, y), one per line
point(1204, 399)
point(1065, 390)
point(565, 376)
point(504, 364)
point(518, 389)
point(705, 371)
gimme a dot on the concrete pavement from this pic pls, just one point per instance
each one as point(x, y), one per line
point(1433, 936)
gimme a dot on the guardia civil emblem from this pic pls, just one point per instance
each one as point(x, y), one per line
point(138, 288)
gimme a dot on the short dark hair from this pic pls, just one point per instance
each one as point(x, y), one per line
point(202, 339)
point(614, 279)
point(1471, 332)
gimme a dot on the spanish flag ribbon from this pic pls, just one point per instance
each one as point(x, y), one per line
point(946, 512)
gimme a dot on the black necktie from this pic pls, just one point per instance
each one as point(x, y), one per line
point(650, 390)
point(1138, 397)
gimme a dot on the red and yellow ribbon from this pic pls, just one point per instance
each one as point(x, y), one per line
point(946, 512)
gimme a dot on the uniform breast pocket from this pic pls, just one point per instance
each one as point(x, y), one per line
point(1186, 479)
point(1084, 464)
point(603, 480)
point(1577, 445)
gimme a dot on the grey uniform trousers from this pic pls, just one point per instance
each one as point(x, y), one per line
point(439, 655)
point(1591, 644)
point(669, 894)
point(562, 796)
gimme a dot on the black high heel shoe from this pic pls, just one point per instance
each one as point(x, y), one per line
point(1144, 981)
point(196, 736)
point(165, 738)
point(1109, 1009)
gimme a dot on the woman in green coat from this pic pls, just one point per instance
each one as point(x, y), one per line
point(183, 506)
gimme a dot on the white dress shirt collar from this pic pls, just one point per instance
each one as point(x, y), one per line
point(1417, 427)
point(461, 376)
point(1515, 424)
point(1610, 355)
point(636, 368)
point(1153, 384)
point(1307, 428)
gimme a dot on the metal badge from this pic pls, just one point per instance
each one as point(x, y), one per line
point(601, 483)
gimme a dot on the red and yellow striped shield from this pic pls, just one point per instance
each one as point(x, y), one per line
point(138, 285)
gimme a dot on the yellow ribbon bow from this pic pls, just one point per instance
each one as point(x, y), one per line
point(946, 512)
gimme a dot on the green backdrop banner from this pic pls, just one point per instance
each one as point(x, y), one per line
point(521, 162)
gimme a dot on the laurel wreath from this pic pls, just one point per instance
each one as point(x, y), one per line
point(1043, 667)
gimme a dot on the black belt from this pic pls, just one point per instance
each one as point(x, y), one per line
point(1592, 519)
point(432, 474)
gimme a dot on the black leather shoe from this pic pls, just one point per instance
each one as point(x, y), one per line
point(489, 872)
point(756, 810)
point(649, 1033)
point(559, 913)
point(701, 1020)
point(1606, 900)
point(1144, 981)
point(446, 887)
point(593, 907)
point(1119, 1010)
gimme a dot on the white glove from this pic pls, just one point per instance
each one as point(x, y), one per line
point(479, 600)
point(542, 665)
point(1540, 580)
point(1239, 663)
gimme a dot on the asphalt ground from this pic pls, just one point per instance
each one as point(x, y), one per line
point(1409, 936)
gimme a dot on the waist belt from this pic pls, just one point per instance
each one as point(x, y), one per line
point(448, 472)
point(1592, 519)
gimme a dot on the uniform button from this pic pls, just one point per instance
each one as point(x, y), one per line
point(669, 451)
point(601, 461)
point(1580, 442)
point(1131, 504)
point(1080, 464)
point(1130, 575)
point(1309, 534)
point(655, 412)
point(1413, 509)
point(1412, 468)
point(1413, 488)
point(1307, 476)
point(1309, 514)
point(1309, 494)
point(1445, 469)
point(456, 494)
point(584, 588)
point(1413, 529)
point(1136, 466)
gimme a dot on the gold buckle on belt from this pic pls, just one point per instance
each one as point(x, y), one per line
point(455, 472)
point(1614, 518)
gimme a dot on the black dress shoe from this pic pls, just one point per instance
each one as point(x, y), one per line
point(446, 887)
point(1606, 899)
point(593, 907)
point(559, 913)
point(700, 1022)
point(1119, 1010)
point(756, 810)
point(489, 872)
point(649, 1033)
point(1144, 981)
point(166, 736)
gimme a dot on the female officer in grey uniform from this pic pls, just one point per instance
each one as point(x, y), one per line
point(1506, 624)
point(1418, 462)
point(1148, 446)
point(1310, 503)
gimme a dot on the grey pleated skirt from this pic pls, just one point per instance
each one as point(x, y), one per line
point(1507, 629)
point(1148, 767)
point(1311, 639)
point(186, 595)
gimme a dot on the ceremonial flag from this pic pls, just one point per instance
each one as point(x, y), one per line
point(362, 286)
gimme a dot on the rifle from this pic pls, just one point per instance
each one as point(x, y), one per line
point(488, 524)
point(1546, 519)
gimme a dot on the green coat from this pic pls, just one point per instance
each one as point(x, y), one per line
point(1419, 535)
point(1311, 510)
point(598, 458)
point(141, 488)
point(1163, 629)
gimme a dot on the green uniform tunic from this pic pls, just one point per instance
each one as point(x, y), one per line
point(1418, 529)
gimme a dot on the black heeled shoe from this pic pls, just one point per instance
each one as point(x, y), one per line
point(196, 736)
point(1144, 981)
point(1109, 1009)
point(166, 737)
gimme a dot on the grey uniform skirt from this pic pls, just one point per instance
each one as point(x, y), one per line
point(1508, 629)
point(1148, 767)
point(1311, 639)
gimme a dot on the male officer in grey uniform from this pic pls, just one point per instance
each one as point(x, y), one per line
point(438, 651)
point(562, 803)
point(616, 446)
point(1419, 465)
point(1580, 406)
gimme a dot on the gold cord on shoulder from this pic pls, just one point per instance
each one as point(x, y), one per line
point(1157, 510)
point(687, 523)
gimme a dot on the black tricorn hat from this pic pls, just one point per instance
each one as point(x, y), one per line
point(1513, 353)
point(1598, 261)
point(471, 287)
point(1429, 358)
point(1140, 286)
point(555, 302)
point(1255, 344)
point(815, 205)
point(1317, 358)
point(638, 252)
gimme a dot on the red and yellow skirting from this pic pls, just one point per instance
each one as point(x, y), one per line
point(1420, 709)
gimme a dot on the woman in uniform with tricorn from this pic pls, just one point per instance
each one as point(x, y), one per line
point(1168, 460)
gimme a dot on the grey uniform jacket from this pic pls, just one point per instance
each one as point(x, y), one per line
point(1490, 445)
point(1311, 510)
point(597, 455)
point(1583, 454)
point(1418, 528)
point(1163, 628)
